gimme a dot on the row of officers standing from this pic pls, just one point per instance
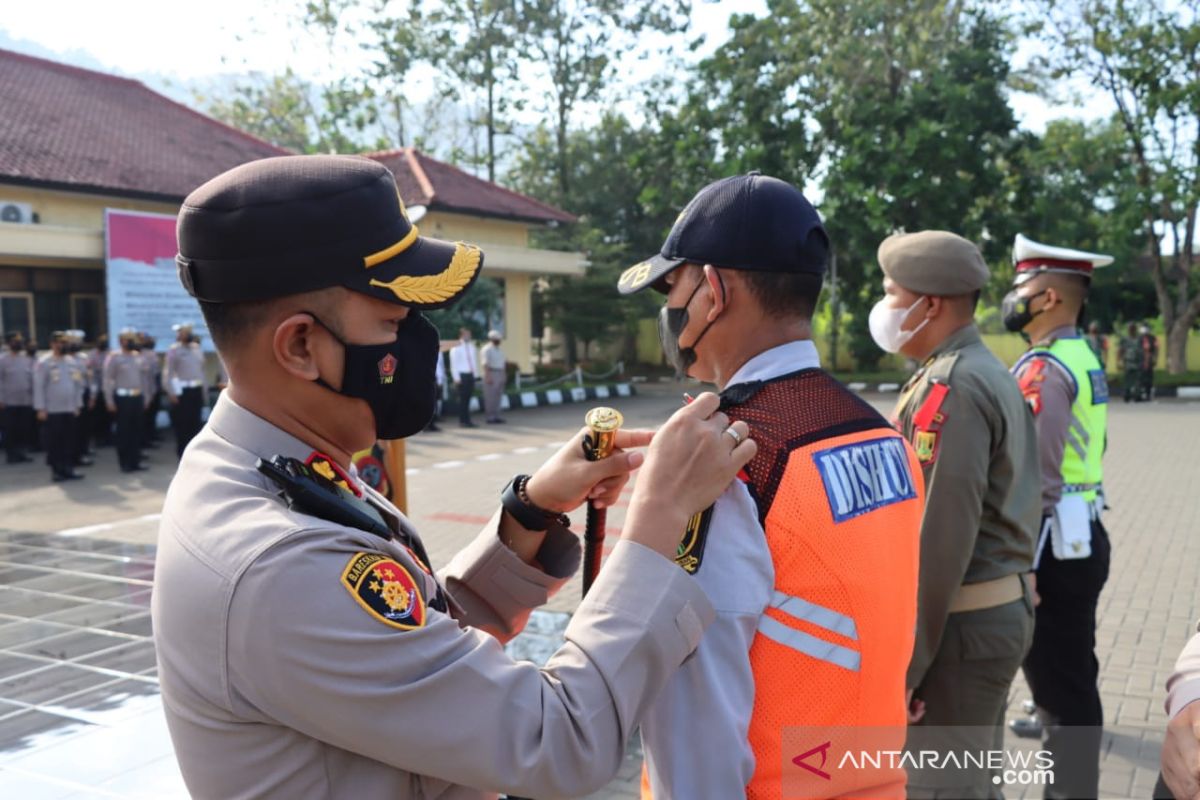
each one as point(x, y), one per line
point(69, 399)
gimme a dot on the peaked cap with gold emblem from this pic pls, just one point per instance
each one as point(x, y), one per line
point(294, 224)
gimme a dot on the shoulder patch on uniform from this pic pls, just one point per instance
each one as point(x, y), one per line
point(690, 552)
point(1099, 386)
point(929, 416)
point(926, 446)
point(865, 476)
point(1030, 381)
point(385, 590)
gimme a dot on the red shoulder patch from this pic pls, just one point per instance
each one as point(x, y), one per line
point(1030, 381)
point(929, 416)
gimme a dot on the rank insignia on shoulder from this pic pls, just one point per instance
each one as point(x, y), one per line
point(690, 552)
point(926, 446)
point(385, 590)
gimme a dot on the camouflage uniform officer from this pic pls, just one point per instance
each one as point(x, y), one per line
point(975, 438)
point(306, 646)
point(1131, 362)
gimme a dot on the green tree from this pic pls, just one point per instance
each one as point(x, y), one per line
point(1145, 56)
point(897, 110)
point(627, 185)
point(290, 112)
point(1075, 185)
point(477, 310)
point(577, 45)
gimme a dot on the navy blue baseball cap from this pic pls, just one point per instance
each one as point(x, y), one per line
point(751, 222)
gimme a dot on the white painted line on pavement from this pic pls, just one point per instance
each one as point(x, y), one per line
point(523, 450)
point(554, 445)
point(489, 457)
point(411, 471)
point(448, 464)
point(106, 526)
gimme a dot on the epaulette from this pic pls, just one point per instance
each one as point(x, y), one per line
point(930, 417)
point(308, 491)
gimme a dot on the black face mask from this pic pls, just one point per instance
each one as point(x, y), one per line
point(397, 379)
point(1014, 310)
point(671, 323)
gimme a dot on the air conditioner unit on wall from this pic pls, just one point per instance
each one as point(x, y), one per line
point(16, 212)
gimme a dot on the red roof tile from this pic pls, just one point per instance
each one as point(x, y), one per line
point(73, 127)
point(429, 182)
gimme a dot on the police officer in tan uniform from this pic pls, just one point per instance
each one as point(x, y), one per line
point(125, 397)
point(58, 398)
point(183, 382)
point(16, 399)
point(975, 438)
point(306, 647)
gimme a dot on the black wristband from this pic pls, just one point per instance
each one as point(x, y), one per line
point(529, 516)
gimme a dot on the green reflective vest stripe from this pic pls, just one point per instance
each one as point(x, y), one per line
point(1082, 471)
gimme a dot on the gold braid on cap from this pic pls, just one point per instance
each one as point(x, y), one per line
point(440, 287)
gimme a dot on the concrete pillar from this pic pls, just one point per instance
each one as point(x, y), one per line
point(518, 320)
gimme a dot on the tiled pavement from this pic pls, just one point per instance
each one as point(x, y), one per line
point(79, 707)
point(79, 711)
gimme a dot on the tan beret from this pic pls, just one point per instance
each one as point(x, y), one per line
point(937, 263)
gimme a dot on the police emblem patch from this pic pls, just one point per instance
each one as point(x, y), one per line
point(386, 590)
point(690, 552)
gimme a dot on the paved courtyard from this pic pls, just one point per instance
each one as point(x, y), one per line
point(79, 709)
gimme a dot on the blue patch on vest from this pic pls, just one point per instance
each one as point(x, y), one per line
point(1099, 386)
point(865, 476)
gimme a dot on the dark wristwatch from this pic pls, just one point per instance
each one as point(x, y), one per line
point(516, 502)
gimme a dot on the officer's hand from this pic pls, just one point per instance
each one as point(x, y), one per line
point(174, 400)
point(915, 708)
point(689, 464)
point(568, 478)
point(42, 416)
point(112, 408)
point(1181, 753)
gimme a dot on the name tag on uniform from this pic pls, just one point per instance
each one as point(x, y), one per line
point(865, 476)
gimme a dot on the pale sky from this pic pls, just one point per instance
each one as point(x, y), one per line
point(196, 42)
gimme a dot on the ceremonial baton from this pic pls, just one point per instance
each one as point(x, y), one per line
point(603, 424)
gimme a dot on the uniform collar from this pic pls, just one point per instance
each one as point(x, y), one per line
point(249, 431)
point(781, 360)
point(1061, 332)
point(967, 334)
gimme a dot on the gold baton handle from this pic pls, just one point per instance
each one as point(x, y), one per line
point(603, 423)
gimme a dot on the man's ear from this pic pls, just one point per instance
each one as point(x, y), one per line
point(937, 306)
point(719, 290)
point(292, 345)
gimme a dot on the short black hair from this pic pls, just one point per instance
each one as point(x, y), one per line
point(229, 323)
point(785, 294)
point(793, 294)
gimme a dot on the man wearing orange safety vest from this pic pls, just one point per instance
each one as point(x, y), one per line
point(811, 559)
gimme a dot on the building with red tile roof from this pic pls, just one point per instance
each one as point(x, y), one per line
point(74, 142)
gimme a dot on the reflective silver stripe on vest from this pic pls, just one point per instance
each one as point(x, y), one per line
point(817, 615)
point(806, 643)
point(1079, 488)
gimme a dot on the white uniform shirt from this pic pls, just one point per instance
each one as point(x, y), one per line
point(493, 356)
point(464, 359)
point(696, 735)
